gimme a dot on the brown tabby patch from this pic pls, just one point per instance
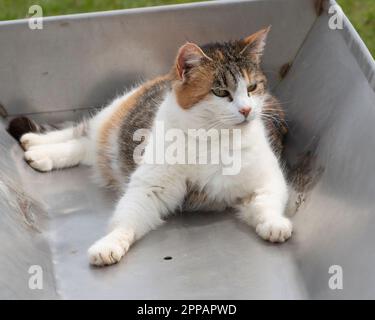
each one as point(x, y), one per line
point(275, 123)
point(114, 122)
point(140, 116)
point(196, 88)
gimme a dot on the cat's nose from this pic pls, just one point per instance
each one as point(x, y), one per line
point(245, 111)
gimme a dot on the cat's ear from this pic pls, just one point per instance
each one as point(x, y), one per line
point(254, 44)
point(188, 57)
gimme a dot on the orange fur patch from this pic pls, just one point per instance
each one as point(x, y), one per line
point(199, 85)
point(246, 75)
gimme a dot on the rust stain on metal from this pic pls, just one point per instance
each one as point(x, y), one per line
point(319, 6)
point(284, 70)
point(3, 111)
point(20, 202)
point(303, 177)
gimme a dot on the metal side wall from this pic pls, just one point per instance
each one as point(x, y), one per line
point(82, 61)
point(331, 109)
point(23, 227)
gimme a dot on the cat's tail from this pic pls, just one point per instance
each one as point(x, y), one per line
point(21, 125)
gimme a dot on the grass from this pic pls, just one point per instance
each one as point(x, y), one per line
point(17, 9)
point(360, 12)
point(362, 15)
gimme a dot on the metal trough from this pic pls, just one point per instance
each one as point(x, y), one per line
point(79, 62)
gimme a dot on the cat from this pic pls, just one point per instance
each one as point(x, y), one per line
point(218, 85)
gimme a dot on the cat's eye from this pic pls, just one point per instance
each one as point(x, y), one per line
point(252, 87)
point(220, 93)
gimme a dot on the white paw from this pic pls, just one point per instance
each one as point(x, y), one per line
point(277, 229)
point(31, 139)
point(39, 159)
point(110, 249)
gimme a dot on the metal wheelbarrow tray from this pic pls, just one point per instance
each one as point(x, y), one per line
point(79, 62)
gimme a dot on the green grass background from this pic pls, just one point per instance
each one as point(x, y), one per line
point(360, 12)
point(362, 15)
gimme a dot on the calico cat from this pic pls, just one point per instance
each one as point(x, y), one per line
point(218, 85)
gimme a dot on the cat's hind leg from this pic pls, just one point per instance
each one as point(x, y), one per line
point(31, 139)
point(46, 157)
point(59, 148)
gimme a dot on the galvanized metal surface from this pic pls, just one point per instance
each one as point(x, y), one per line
point(81, 61)
point(23, 219)
point(330, 106)
point(331, 110)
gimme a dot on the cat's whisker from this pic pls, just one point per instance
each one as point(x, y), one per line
point(274, 116)
point(275, 119)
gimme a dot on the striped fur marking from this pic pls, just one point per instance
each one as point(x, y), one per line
point(113, 123)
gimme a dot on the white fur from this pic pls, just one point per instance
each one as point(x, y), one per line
point(154, 191)
point(45, 157)
point(32, 139)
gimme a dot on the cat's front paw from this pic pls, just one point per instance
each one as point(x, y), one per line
point(276, 229)
point(105, 252)
point(110, 249)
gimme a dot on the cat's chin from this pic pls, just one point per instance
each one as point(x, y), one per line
point(248, 120)
point(243, 123)
point(238, 124)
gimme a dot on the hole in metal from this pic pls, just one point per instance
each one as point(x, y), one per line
point(168, 258)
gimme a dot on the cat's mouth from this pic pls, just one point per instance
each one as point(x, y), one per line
point(246, 121)
point(243, 122)
point(237, 124)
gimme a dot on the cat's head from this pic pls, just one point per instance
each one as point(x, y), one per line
point(222, 84)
